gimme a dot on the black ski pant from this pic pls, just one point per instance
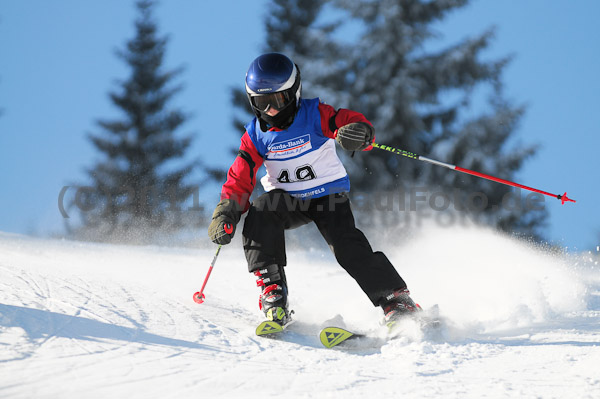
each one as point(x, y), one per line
point(276, 211)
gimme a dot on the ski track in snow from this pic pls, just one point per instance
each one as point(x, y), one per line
point(80, 319)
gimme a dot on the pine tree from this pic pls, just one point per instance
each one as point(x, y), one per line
point(420, 100)
point(137, 191)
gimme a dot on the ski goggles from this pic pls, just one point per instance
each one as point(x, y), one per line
point(278, 100)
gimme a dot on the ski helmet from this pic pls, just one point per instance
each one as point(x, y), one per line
point(273, 81)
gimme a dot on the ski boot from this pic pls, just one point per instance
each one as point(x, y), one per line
point(273, 298)
point(398, 305)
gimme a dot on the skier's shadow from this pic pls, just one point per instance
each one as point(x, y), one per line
point(43, 324)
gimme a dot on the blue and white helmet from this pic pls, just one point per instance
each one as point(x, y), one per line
point(273, 82)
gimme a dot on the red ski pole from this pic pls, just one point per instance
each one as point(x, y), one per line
point(563, 198)
point(199, 296)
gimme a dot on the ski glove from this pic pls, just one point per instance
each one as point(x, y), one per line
point(224, 219)
point(355, 136)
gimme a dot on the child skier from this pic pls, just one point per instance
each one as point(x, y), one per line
point(305, 182)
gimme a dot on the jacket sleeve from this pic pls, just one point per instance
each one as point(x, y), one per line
point(332, 120)
point(241, 177)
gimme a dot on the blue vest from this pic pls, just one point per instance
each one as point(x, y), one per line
point(300, 159)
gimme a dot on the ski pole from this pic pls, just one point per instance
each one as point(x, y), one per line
point(199, 296)
point(563, 198)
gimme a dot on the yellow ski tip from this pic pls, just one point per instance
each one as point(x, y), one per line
point(332, 336)
point(268, 327)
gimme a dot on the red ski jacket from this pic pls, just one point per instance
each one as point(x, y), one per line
point(241, 177)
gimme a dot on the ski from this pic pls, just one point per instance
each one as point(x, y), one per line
point(271, 328)
point(429, 323)
point(330, 337)
point(334, 336)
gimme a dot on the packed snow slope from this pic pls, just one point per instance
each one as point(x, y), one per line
point(88, 321)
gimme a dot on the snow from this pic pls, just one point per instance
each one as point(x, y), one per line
point(97, 321)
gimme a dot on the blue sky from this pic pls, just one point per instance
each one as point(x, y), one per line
point(57, 65)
